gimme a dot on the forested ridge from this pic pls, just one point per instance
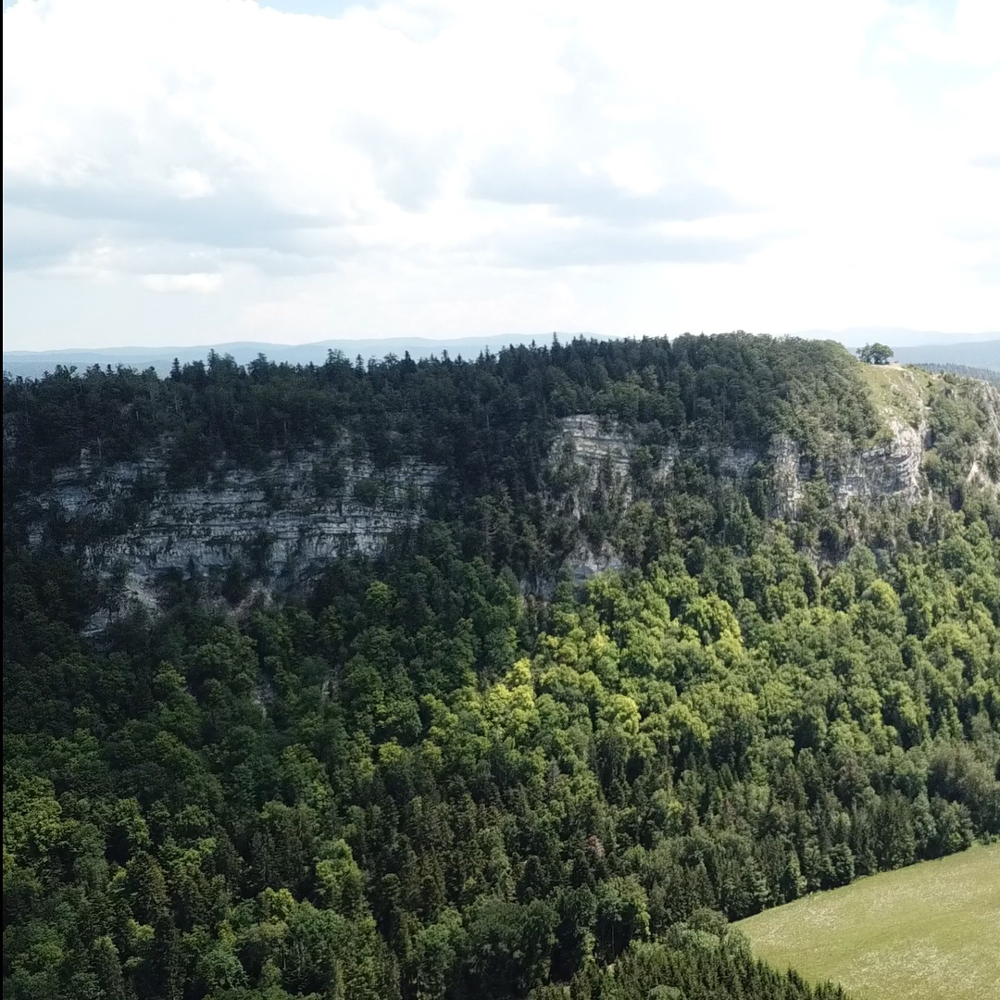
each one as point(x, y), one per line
point(426, 779)
point(965, 371)
point(458, 413)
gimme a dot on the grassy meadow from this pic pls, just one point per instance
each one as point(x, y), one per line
point(927, 932)
point(897, 391)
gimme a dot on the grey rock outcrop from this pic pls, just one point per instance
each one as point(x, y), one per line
point(287, 521)
point(284, 522)
point(891, 468)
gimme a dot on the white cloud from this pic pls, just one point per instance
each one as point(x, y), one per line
point(970, 38)
point(430, 166)
point(186, 183)
point(198, 282)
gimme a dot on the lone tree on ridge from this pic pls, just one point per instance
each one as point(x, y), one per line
point(875, 354)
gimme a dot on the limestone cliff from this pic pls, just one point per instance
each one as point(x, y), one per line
point(891, 467)
point(281, 524)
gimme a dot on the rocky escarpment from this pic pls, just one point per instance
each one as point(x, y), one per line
point(985, 469)
point(597, 446)
point(609, 461)
point(278, 525)
point(890, 468)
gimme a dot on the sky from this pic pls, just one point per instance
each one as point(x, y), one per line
point(191, 171)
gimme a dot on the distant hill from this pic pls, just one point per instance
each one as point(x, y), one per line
point(991, 375)
point(910, 346)
point(34, 364)
point(982, 354)
point(899, 337)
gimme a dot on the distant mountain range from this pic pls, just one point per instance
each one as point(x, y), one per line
point(982, 354)
point(910, 346)
point(32, 364)
point(915, 347)
point(897, 336)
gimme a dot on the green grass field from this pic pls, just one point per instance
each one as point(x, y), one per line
point(927, 932)
point(897, 391)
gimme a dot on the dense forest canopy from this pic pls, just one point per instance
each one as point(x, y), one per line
point(462, 414)
point(426, 779)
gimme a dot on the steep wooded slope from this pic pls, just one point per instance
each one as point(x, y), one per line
point(447, 768)
point(265, 476)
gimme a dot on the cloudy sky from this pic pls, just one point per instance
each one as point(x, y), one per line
point(185, 171)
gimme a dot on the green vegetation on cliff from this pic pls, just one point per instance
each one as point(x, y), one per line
point(423, 779)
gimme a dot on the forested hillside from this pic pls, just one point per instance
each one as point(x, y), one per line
point(449, 770)
point(965, 371)
point(486, 421)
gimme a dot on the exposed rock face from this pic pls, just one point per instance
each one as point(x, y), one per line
point(298, 515)
point(787, 486)
point(584, 562)
point(987, 462)
point(591, 444)
point(283, 519)
point(891, 468)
